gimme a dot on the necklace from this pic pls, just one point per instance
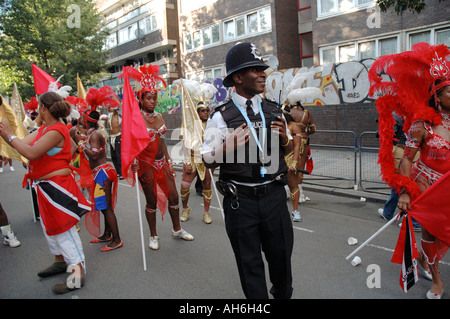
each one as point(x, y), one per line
point(446, 120)
point(149, 117)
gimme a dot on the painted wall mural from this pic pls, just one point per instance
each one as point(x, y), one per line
point(340, 83)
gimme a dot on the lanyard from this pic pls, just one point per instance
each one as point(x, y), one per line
point(252, 129)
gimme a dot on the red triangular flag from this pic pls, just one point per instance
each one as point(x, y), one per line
point(41, 80)
point(309, 162)
point(432, 209)
point(135, 137)
point(406, 254)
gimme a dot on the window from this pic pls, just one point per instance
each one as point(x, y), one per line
point(358, 50)
point(247, 24)
point(328, 56)
point(333, 7)
point(148, 24)
point(388, 46)
point(229, 30)
point(204, 37)
point(128, 33)
point(419, 37)
point(347, 53)
point(215, 30)
point(111, 41)
point(306, 49)
point(367, 50)
point(443, 37)
point(187, 41)
point(432, 36)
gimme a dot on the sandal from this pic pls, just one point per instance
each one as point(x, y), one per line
point(107, 248)
point(98, 240)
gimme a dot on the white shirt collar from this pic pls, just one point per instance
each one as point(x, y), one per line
point(242, 102)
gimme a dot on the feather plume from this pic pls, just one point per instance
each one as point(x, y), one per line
point(104, 96)
point(32, 105)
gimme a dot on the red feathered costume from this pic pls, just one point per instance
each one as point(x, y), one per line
point(406, 82)
point(151, 170)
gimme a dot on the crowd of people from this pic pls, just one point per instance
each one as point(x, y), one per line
point(69, 173)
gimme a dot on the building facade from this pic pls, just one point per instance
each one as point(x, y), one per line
point(140, 32)
point(209, 28)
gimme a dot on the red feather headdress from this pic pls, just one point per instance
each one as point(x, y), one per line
point(79, 103)
point(32, 105)
point(147, 76)
point(104, 96)
point(405, 84)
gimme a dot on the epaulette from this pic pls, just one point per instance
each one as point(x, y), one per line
point(222, 106)
point(272, 102)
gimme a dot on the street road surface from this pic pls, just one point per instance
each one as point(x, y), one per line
point(205, 268)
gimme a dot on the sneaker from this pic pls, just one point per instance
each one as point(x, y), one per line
point(11, 169)
point(182, 234)
point(154, 243)
point(11, 240)
point(1, 169)
point(296, 216)
point(381, 213)
point(185, 214)
point(206, 217)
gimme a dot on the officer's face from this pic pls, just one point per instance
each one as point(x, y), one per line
point(250, 81)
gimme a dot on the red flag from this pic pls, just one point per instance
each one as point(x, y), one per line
point(406, 254)
point(135, 137)
point(41, 80)
point(432, 209)
point(309, 162)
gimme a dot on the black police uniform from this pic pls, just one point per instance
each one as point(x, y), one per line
point(257, 217)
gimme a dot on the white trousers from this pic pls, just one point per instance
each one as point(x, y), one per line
point(67, 244)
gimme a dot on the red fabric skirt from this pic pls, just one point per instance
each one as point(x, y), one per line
point(61, 203)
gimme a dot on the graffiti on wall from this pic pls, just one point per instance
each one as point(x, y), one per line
point(340, 83)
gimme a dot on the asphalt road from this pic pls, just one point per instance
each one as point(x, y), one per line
point(205, 268)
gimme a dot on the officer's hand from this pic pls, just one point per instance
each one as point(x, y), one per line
point(239, 137)
point(279, 127)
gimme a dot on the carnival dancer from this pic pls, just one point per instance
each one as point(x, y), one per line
point(103, 192)
point(304, 119)
point(61, 203)
point(191, 168)
point(155, 168)
point(251, 175)
point(292, 162)
point(420, 91)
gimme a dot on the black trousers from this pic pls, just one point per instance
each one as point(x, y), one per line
point(115, 154)
point(261, 223)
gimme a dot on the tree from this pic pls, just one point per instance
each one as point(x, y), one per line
point(399, 6)
point(60, 36)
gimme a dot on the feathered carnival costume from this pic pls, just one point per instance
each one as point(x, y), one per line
point(148, 78)
point(405, 82)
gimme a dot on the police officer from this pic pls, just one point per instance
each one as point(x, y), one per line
point(248, 142)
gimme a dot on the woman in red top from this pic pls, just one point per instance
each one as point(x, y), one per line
point(60, 201)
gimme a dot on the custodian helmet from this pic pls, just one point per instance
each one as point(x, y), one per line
point(242, 55)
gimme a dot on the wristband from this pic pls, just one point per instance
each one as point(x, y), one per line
point(11, 138)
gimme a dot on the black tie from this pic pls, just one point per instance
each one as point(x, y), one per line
point(249, 108)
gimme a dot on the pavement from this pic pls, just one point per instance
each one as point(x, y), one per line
point(203, 271)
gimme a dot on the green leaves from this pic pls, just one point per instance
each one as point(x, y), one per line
point(44, 32)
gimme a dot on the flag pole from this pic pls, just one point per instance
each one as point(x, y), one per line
point(374, 235)
point(144, 260)
point(217, 194)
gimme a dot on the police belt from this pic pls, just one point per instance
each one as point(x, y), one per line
point(230, 188)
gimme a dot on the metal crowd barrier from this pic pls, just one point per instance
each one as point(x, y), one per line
point(341, 159)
